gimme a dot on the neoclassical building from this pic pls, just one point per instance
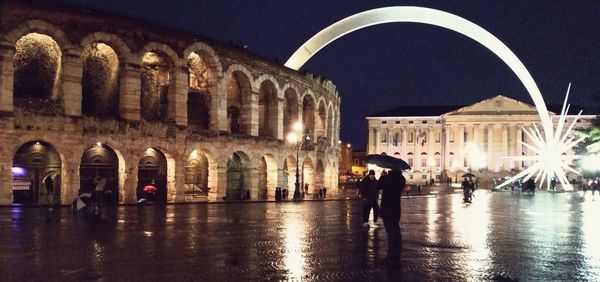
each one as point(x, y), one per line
point(86, 94)
point(442, 142)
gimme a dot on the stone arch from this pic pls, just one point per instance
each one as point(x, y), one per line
point(198, 168)
point(258, 82)
point(238, 176)
point(38, 26)
point(321, 119)
point(159, 63)
point(114, 41)
point(308, 173)
point(268, 109)
point(37, 168)
point(156, 167)
point(208, 54)
point(100, 80)
point(290, 109)
point(202, 89)
point(239, 97)
point(38, 61)
point(102, 161)
point(330, 123)
point(309, 109)
point(267, 176)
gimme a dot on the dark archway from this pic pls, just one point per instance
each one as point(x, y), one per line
point(156, 82)
point(237, 176)
point(101, 161)
point(36, 174)
point(152, 169)
point(100, 81)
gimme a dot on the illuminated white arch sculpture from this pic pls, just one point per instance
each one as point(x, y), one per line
point(425, 16)
point(548, 146)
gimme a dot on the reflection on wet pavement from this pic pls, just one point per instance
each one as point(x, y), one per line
point(501, 236)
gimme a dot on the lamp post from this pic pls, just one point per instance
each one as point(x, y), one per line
point(297, 138)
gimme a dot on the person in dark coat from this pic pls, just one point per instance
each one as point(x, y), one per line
point(369, 193)
point(392, 186)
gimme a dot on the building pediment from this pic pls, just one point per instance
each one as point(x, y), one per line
point(498, 105)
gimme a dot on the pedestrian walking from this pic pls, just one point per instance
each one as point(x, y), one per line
point(369, 193)
point(99, 189)
point(324, 192)
point(392, 186)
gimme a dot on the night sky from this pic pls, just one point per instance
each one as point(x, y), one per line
point(390, 65)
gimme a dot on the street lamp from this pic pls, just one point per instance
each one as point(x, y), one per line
point(297, 138)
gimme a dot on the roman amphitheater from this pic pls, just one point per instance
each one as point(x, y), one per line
point(85, 94)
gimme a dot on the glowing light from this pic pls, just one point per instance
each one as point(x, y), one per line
point(18, 171)
point(591, 163)
point(292, 137)
point(297, 126)
point(551, 159)
point(99, 144)
point(424, 16)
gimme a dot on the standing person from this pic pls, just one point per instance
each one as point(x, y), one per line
point(49, 182)
point(369, 193)
point(392, 186)
point(324, 192)
point(466, 187)
point(100, 183)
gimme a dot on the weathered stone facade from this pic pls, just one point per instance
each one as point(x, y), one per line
point(139, 104)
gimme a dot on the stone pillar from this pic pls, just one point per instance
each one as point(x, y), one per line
point(389, 142)
point(519, 151)
point(130, 90)
point(179, 195)
point(6, 186)
point(220, 190)
point(377, 140)
point(404, 141)
point(7, 54)
point(72, 73)
point(128, 192)
point(252, 110)
point(178, 92)
point(278, 129)
point(446, 147)
point(218, 107)
point(461, 145)
point(251, 182)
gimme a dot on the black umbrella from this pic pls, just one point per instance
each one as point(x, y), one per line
point(468, 174)
point(385, 161)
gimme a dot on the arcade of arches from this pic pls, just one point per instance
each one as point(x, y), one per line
point(198, 122)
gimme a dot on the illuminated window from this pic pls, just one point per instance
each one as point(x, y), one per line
point(438, 137)
point(451, 137)
point(383, 137)
point(410, 137)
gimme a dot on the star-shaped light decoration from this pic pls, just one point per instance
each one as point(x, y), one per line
point(550, 159)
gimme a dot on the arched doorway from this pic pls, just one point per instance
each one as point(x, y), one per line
point(36, 174)
point(261, 170)
point(289, 167)
point(238, 108)
point(308, 175)
point(290, 110)
point(308, 114)
point(199, 93)
point(267, 109)
point(237, 177)
point(153, 169)
point(101, 161)
point(196, 176)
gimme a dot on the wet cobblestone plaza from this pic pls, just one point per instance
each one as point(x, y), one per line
point(501, 236)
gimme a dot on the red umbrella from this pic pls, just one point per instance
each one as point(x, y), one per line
point(150, 189)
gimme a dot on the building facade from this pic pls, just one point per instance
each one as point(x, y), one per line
point(444, 142)
point(86, 94)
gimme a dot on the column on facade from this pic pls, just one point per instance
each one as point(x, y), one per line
point(252, 110)
point(518, 146)
point(220, 191)
point(371, 142)
point(178, 195)
point(390, 151)
point(476, 136)
point(178, 96)
point(218, 106)
point(430, 151)
point(130, 86)
point(7, 54)
point(504, 162)
point(403, 148)
point(376, 145)
point(461, 145)
point(490, 146)
point(279, 134)
point(446, 147)
point(72, 73)
point(511, 147)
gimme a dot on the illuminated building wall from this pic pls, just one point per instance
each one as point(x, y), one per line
point(446, 141)
point(137, 104)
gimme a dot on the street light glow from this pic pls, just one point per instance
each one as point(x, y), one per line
point(297, 126)
point(292, 137)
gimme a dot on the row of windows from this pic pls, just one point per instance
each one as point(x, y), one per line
point(421, 138)
point(411, 122)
